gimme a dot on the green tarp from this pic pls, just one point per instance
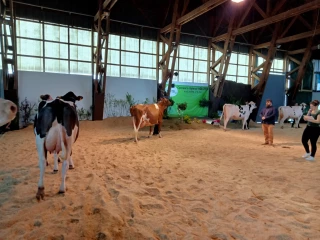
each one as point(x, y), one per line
point(191, 94)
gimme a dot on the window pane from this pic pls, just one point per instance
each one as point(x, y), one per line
point(185, 51)
point(231, 78)
point(58, 66)
point(234, 58)
point(232, 69)
point(29, 47)
point(80, 36)
point(200, 53)
point(148, 46)
point(278, 64)
point(113, 56)
point(80, 68)
point(56, 33)
point(56, 50)
point(185, 64)
point(242, 71)
point(260, 61)
point(131, 72)
point(243, 80)
point(160, 48)
point(113, 70)
point(30, 64)
point(200, 77)
point(243, 59)
point(185, 77)
point(131, 44)
point(114, 41)
point(80, 53)
point(128, 58)
point(148, 60)
point(147, 73)
point(28, 29)
point(200, 66)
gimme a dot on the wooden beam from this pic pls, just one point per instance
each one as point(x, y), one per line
point(302, 68)
point(245, 14)
point(268, 7)
point(291, 38)
point(216, 63)
point(301, 50)
point(165, 40)
point(305, 23)
point(289, 26)
point(195, 13)
point(260, 11)
point(278, 7)
point(250, 66)
point(219, 21)
point(257, 68)
point(217, 47)
point(292, 71)
point(315, 4)
point(259, 54)
point(294, 60)
point(104, 7)
point(267, 66)
point(256, 76)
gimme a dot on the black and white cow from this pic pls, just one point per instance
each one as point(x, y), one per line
point(237, 112)
point(56, 127)
point(8, 111)
point(295, 112)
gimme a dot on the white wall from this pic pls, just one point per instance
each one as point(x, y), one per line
point(140, 89)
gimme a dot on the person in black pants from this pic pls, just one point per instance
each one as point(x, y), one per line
point(160, 94)
point(312, 130)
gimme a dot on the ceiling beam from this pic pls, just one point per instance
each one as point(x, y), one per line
point(315, 4)
point(245, 14)
point(293, 52)
point(291, 38)
point(289, 26)
point(262, 13)
point(104, 7)
point(195, 13)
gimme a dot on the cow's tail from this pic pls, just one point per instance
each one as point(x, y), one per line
point(280, 114)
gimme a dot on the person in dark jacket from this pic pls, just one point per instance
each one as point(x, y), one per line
point(268, 116)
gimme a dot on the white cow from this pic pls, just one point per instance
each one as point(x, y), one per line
point(8, 111)
point(295, 112)
point(237, 112)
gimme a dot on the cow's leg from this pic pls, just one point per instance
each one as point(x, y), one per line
point(135, 129)
point(55, 160)
point(281, 121)
point(150, 131)
point(226, 120)
point(244, 123)
point(42, 155)
point(65, 164)
point(159, 127)
point(298, 121)
point(71, 165)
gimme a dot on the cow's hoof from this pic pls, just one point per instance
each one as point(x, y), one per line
point(55, 171)
point(40, 193)
point(281, 127)
point(71, 167)
point(61, 192)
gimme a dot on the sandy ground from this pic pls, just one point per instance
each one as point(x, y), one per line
point(196, 183)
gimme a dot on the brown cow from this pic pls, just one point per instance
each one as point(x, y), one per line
point(148, 115)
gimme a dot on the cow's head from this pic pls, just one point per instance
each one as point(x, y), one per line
point(165, 102)
point(46, 97)
point(252, 105)
point(303, 106)
point(8, 111)
point(70, 97)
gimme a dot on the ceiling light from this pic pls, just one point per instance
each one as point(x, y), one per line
point(237, 1)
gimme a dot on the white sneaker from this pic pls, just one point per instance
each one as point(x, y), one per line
point(310, 158)
point(306, 155)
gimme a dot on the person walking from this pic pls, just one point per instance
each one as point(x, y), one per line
point(312, 130)
point(268, 116)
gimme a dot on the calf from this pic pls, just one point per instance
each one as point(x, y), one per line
point(148, 115)
point(56, 128)
point(237, 112)
point(8, 111)
point(295, 112)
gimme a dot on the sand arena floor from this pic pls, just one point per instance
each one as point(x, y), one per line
point(195, 183)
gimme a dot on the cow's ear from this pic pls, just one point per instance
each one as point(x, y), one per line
point(79, 98)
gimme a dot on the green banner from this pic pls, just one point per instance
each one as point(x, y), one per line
point(190, 94)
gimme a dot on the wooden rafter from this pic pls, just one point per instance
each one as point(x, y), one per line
point(291, 38)
point(289, 26)
point(195, 13)
point(278, 7)
point(315, 4)
point(260, 11)
point(245, 14)
point(298, 51)
point(267, 66)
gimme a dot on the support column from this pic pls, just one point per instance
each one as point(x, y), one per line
point(9, 56)
point(100, 57)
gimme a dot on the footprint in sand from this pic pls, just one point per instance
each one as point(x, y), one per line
point(297, 199)
point(280, 237)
